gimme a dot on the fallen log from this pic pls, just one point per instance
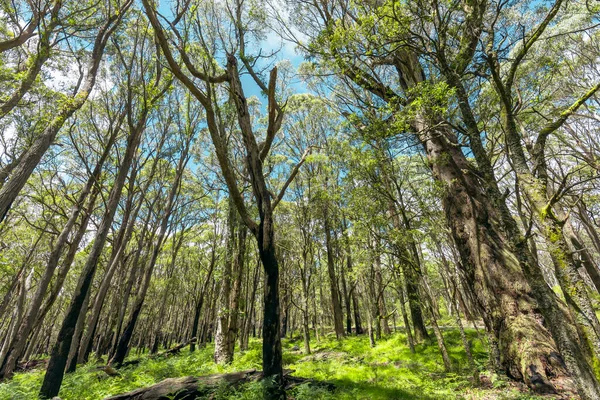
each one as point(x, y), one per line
point(192, 388)
point(31, 364)
point(176, 349)
point(189, 387)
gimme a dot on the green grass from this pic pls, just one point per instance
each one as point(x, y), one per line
point(387, 371)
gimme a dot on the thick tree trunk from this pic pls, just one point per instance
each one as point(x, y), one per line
point(272, 362)
point(222, 355)
point(528, 350)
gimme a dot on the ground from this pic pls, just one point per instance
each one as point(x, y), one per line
point(387, 371)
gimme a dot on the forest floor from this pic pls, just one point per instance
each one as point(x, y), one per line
point(387, 371)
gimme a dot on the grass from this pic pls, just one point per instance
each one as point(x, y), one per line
point(387, 371)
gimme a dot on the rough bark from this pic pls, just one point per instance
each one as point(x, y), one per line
point(489, 258)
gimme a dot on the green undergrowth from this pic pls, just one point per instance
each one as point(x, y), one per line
point(387, 371)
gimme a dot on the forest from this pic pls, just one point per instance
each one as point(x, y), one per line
point(300, 199)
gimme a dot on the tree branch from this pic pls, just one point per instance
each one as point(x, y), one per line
point(291, 177)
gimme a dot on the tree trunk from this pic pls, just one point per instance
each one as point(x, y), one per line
point(73, 351)
point(504, 295)
point(60, 351)
point(400, 290)
point(272, 363)
point(33, 314)
point(200, 300)
point(249, 318)
point(116, 260)
point(338, 318)
point(222, 354)
point(356, 310)
point(190, 387)
point(381, 308)
point(238, 271)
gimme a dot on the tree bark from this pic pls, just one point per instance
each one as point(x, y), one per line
point(203, 294)
point(189, 387)
point(116, 259)
point(222, 354)
point(338, 318)
point(73, 351)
